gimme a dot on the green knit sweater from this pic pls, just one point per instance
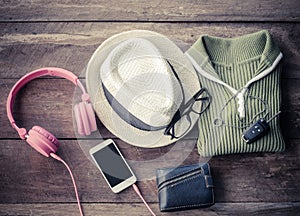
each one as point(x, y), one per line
point(243, 77)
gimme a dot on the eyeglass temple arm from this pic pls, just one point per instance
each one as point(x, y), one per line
point(175, 119)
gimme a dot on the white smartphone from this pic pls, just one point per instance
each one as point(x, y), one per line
point(112, 165)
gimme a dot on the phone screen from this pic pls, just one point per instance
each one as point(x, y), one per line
point(112, 165)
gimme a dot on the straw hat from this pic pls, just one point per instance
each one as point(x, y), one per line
point(137, 81)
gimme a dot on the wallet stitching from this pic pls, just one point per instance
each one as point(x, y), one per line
point(178, 181)
point(184, 180)
point(186, 206)
point(181, 173)
point(184, 172)
point(194, 205)
point(194, 165)
point(206, 181)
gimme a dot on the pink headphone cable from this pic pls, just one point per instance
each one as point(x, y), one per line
point(72, 177)
point(136, 189)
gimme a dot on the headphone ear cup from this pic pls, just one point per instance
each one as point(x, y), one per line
point(79, 123)
point(85, 118)
point(91, 116)
point(42, 141)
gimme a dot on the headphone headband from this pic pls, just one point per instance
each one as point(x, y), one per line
point(42, 140)
point(49, 71)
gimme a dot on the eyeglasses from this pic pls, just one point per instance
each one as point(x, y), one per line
point(197, 104)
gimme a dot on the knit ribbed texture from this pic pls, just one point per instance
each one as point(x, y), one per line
point(236, 61)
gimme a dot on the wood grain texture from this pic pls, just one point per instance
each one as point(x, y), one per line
point(48, 103)
point(39, 33)
point(29, 177)
point(137, 209)
point(155, 10)
point(28, 46)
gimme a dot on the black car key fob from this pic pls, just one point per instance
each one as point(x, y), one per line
point(256, 131)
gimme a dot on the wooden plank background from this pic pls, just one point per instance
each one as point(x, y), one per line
point(36, 34)
point(155, 10)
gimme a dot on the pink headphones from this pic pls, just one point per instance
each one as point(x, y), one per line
point(39, 138)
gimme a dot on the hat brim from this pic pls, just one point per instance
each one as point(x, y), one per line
point(110, 119)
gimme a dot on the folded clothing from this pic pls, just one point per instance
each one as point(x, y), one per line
point(243, 77)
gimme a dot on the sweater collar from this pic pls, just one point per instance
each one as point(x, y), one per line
point(231, 51)
point(228, 52)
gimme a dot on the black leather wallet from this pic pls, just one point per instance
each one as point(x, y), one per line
point(185, 187)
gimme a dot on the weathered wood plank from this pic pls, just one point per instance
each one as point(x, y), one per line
point(28, 46)
point(137, 209)
point(32, 36)
point(45, 99)
point(155, 10)
point(28, 177)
